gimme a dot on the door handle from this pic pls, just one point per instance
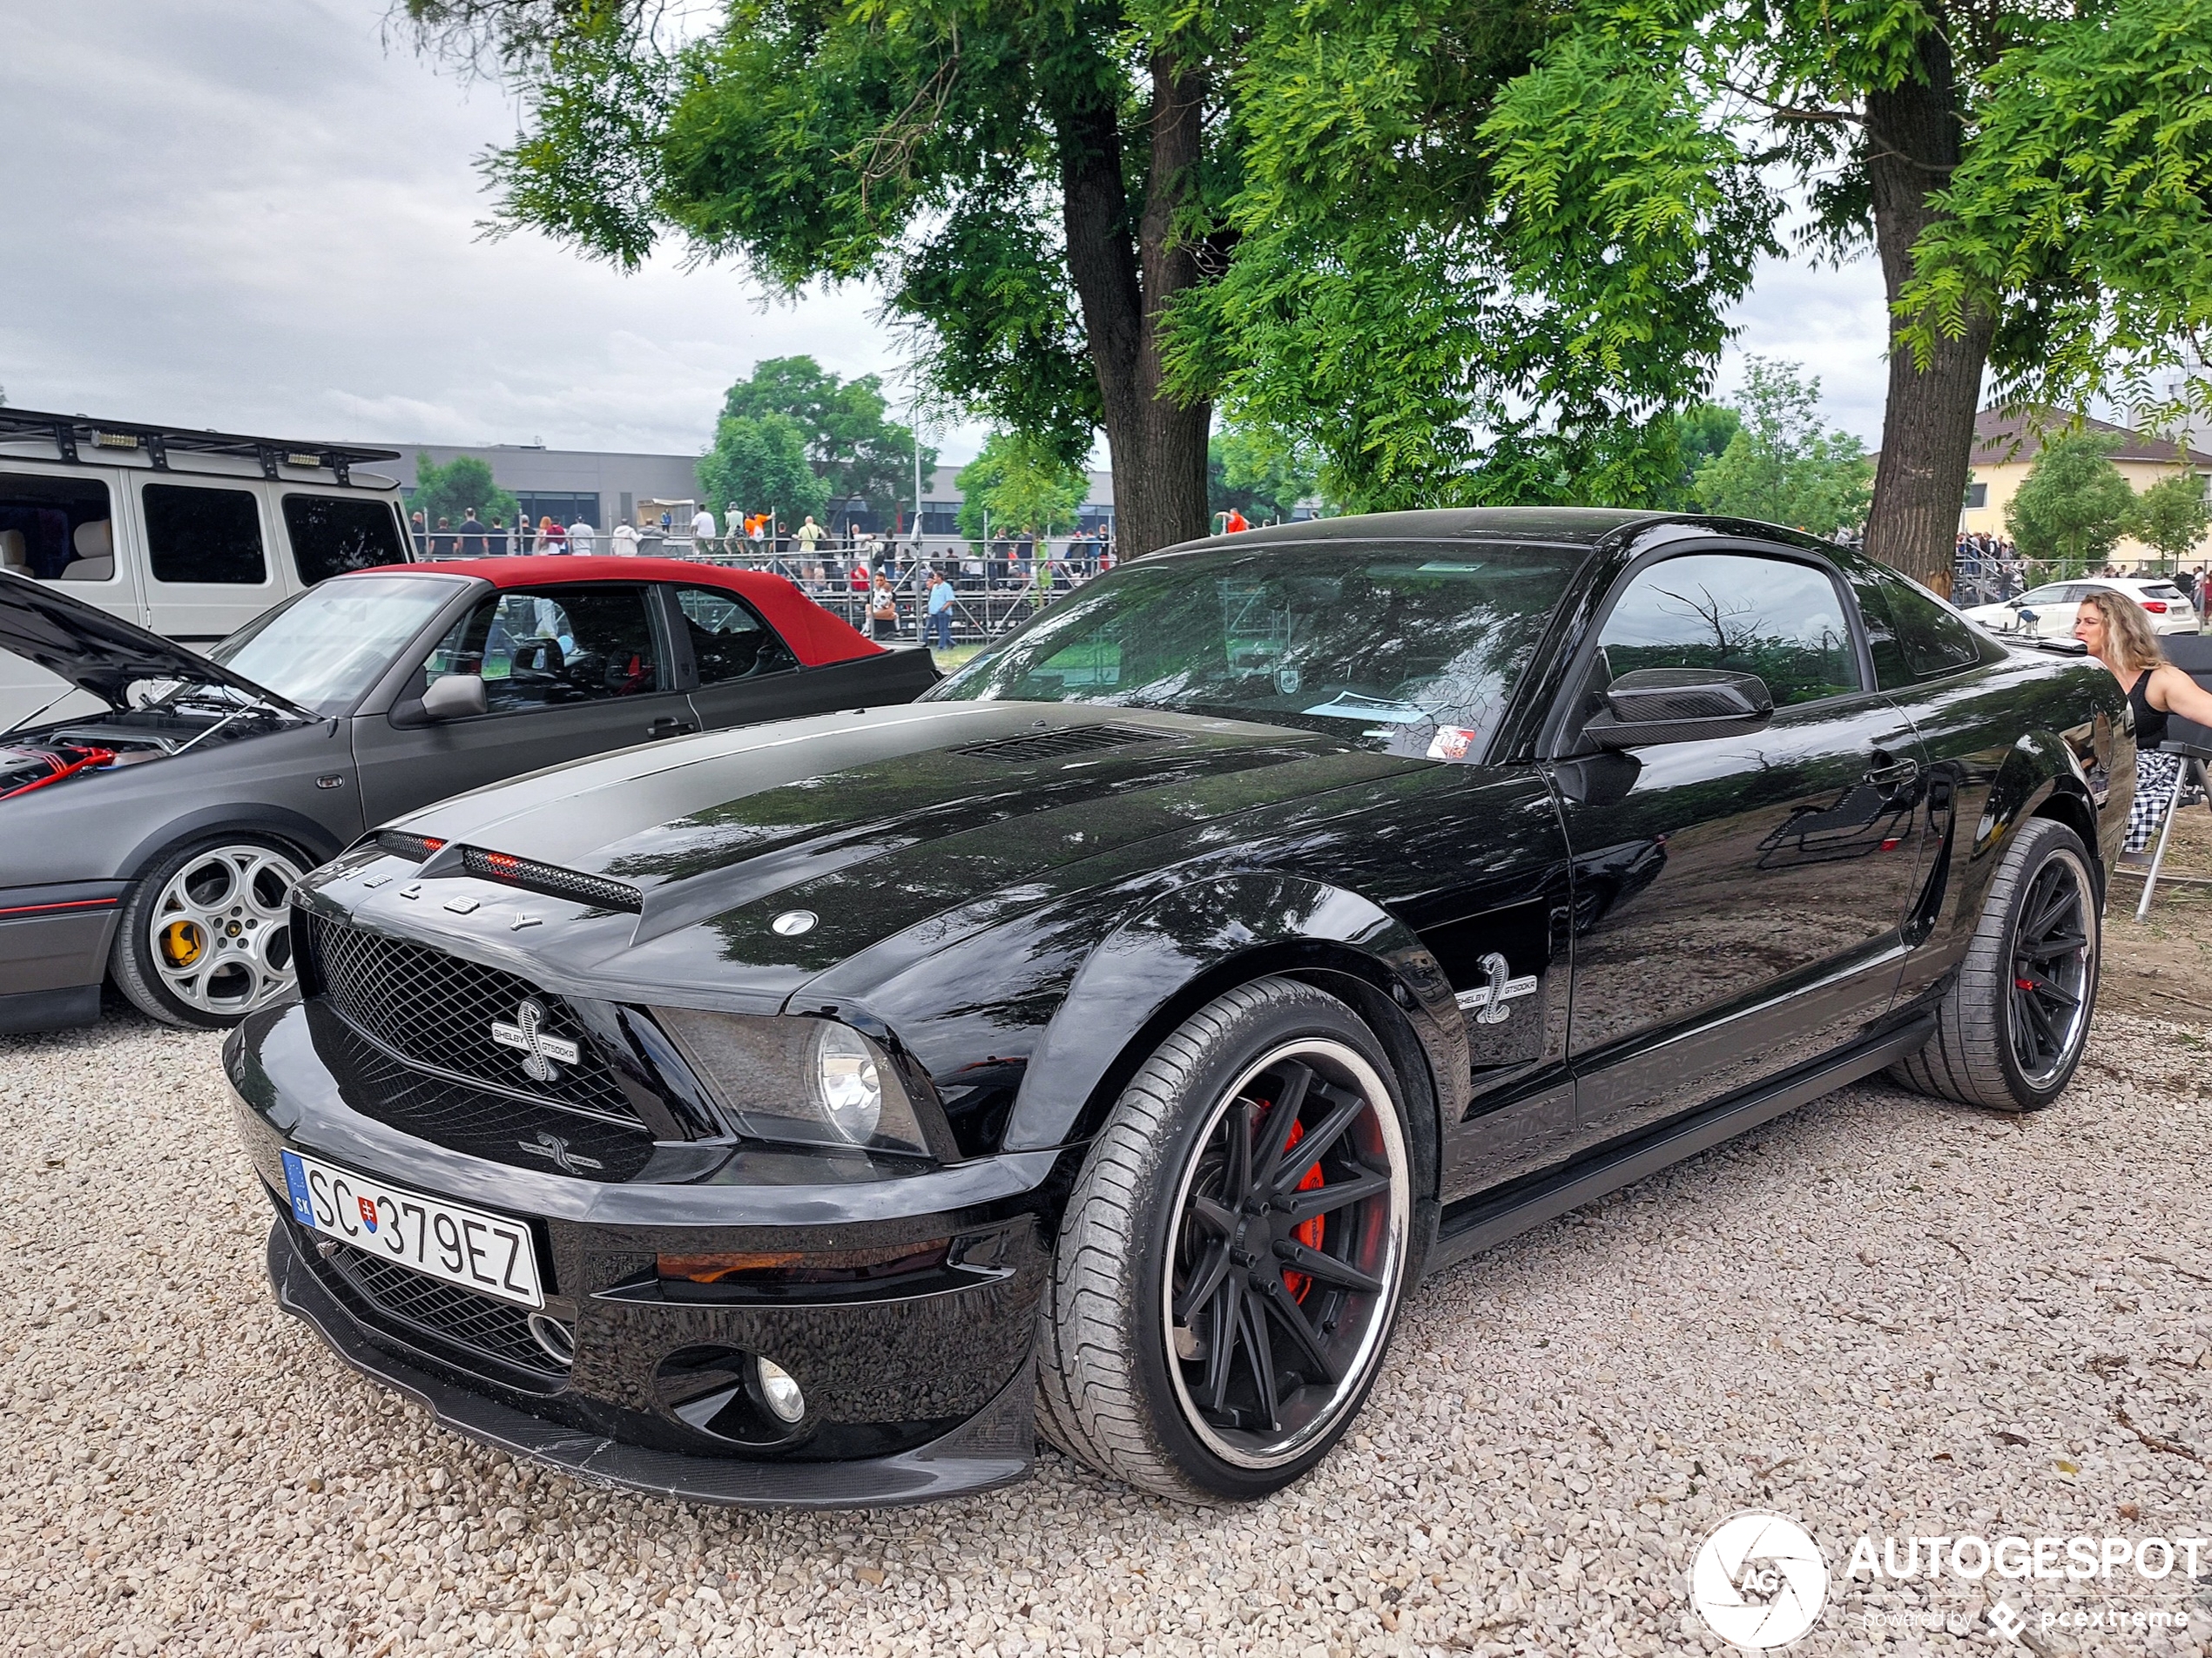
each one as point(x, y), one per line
point(1892, 774)
point(668, 727)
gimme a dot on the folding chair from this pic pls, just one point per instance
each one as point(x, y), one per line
point(2192, 654)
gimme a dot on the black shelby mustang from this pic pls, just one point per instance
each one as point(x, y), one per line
point(1108, 1041)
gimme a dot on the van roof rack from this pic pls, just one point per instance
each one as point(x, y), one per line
point(69, 432)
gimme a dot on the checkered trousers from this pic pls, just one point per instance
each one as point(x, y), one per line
point(2154, 775)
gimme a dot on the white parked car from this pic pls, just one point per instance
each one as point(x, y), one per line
point(2046, 612)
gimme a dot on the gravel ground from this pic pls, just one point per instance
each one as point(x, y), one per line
point(1876, 1315)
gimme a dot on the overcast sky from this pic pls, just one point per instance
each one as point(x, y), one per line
point(254, 215)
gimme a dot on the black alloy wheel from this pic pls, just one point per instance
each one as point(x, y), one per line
point(2011, 1027)
point(1288, 1232)
point(1233, 1258)
point(2048, 1002)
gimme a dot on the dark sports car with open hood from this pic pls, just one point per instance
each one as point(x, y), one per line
point(152, 840)
point(1109, 1040)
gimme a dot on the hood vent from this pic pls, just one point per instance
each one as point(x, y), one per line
point(552, 880)
point(1073, 739)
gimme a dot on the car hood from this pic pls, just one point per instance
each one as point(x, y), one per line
point(99, 653)
point(880, 818)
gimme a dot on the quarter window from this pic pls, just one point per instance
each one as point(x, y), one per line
point(211, 537)
point(56, 529)
point(331, 535)
point(1782, 621)
point(551, 646)
point(1934, 641)
point(728, 641)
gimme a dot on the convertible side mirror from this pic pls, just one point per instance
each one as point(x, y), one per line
point(1651, 706)
point(454, 697)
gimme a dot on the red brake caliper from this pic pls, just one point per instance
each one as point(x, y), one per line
point(1307, 1232)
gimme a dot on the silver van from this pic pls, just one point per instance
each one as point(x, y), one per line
point(189, 534)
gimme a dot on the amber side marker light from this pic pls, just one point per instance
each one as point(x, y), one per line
point(768, 1267)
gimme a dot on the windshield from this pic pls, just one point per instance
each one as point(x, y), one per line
point(1407, 649)
point(326, 648)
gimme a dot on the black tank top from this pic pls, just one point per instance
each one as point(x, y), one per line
point(2150, 722)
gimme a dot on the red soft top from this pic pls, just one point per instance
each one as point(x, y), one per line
point(814, 636)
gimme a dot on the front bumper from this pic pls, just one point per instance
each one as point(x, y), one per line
point(991, 1448)
point(917, 1387)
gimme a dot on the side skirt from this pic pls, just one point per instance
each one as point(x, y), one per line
point(1475, 1223)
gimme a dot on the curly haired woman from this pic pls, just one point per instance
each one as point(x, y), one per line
point(2113, 628)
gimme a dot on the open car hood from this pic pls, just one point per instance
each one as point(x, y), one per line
point(104, 654)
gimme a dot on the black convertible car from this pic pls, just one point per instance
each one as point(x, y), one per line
point(1108, 1041)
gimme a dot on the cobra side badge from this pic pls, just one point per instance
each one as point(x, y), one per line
point(1492, 998)
point(539, 1050)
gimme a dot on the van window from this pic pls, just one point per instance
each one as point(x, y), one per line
point(331, 535)
point(56, 529)
point(211, 536)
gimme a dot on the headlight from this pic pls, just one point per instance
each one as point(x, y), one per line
point(792, 1078)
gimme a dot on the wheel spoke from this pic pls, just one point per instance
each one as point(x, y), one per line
point(1238, 1185)
point(1213, 1214)
point(2049, 916)
point(1281, 1117)
point(1291, 1317)
point(1261, 1353)
point(1311, 1148)
point(1323, 1200)
point(1212, 1268)
point(1325, 1269)
point(1226, 1311)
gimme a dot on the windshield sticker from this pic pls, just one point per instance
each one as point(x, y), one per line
point(1350, 704)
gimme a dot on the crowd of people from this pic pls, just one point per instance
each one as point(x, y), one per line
point(1988, 569)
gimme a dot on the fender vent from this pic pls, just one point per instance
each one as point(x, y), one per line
point(1073, 739)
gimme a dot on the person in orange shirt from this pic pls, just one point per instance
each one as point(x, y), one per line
point(1232, 520)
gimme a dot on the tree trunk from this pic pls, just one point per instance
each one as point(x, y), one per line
point(1125, 277)
point(1912, 143)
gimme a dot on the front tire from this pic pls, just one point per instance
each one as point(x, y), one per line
point(205, 934)
point(2011, 1029)
point(1233, 1255)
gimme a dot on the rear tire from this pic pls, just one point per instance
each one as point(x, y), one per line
point(205, 935)
point(1180, 1347)
point(2011, 1029)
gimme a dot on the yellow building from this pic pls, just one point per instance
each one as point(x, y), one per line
point(2006, 446)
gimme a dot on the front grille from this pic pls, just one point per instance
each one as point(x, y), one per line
point(1075, 739)
point(437, 1010)
point(419, 1305)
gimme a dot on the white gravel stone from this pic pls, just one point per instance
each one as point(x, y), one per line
point(1879, 1315)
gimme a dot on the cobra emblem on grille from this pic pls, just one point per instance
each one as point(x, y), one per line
point(539, 1051)
point(556, 1151)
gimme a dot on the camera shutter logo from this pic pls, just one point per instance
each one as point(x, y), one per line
point(539, 1050)
point(1759, 1581)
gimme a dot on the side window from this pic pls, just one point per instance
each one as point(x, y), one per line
point(1934, 641)
point(1782, 621)
point(728, 641)
point(210, 535)
point(56, 529)
point(551, 646)
point(331, 535)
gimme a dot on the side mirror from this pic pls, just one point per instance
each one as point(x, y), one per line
point(454, 697)
point(1651, 706)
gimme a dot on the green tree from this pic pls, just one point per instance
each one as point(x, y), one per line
point(1031, 185)
point(858, 450)
point(1258, 474)
point(1703, 433)
point(2074, 505)
point(448, 491)
point(1782, 466)
point(760, 462)
point(2173, 514)
point(1021, 483)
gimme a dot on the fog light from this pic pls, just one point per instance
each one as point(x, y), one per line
point(781, 1393)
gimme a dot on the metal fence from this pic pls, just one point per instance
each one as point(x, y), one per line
point(996, 587)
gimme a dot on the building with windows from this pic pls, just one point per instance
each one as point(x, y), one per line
point(2006, 446)
point(606, 489)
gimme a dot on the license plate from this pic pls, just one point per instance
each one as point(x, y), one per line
point(487, 1253)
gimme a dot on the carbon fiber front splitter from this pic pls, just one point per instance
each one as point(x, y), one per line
point(994, 1447)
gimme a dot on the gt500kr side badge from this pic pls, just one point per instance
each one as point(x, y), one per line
point(1492, 998)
